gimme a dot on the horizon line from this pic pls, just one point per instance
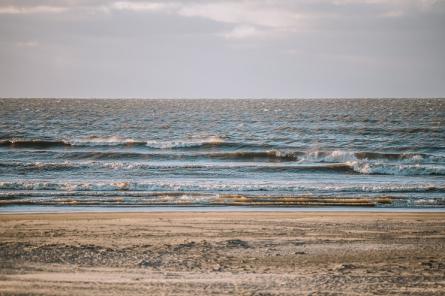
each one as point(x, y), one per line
point(225, 98)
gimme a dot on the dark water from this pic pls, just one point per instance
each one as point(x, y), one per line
point(386, 153)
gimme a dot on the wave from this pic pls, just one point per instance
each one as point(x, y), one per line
point(170, 167)
point(260, 156)
point(204, 142)
point(38, 144)
point(271, 155)
point(98, 141)
point(108, 155)
point(396, 169)
point(251, 150)
point(261, 162)
point(336, 156)
point(53, 166)
point(89, 141)
point(257, 154)
point(344, 156)
point(215, 186)
point(87, 154)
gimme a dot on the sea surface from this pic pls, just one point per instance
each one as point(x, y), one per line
point(262, 153)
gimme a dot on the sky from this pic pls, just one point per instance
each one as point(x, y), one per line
point(222, 49)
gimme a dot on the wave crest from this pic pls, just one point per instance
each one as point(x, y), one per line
point(209, 186)
point(100, 140)
point(209, 141)
point(116, 141)
point(16, 143)
point(396, 169)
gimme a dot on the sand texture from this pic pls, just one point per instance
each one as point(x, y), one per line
point(250, 253)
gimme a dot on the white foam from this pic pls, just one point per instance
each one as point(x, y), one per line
point(212, 140)
point(365, 167)
point(96, 140)
point(218, 185)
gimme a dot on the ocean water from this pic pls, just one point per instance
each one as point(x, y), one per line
point(289, 153)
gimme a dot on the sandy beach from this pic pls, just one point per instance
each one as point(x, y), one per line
point(250, 253)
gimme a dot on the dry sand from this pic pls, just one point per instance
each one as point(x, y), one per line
point(249, 253)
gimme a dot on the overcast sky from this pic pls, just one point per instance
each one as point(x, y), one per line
point(216, 49)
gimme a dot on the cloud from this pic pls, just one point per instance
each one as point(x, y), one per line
point(271, 12)
point(11, 9)
point(250, 19)
point(28, 44)
point(197, 48)
point(390, 8)
point(141, 6)
point(242, 32)
point(255, 13)
point(244, 19)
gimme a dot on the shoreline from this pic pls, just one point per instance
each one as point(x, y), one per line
point(222, 253)
point(226, 214)
point(211, 209)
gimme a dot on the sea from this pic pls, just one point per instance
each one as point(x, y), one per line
point(251, 153)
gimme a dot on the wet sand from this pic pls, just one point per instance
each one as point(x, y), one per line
point(222, 253)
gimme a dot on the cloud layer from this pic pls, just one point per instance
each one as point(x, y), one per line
point(257, 48)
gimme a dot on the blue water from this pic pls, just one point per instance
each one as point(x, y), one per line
point(77, 153)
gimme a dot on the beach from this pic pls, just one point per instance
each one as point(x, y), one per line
point(222, 253)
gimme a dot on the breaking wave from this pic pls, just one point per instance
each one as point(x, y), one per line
point(250, 150)
point(367, 163)
point(206, 185)
point(345, 156)
point(172, 166)
point(208, 141)
point(100, 141)
point(92, 141)
point(396, 169)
